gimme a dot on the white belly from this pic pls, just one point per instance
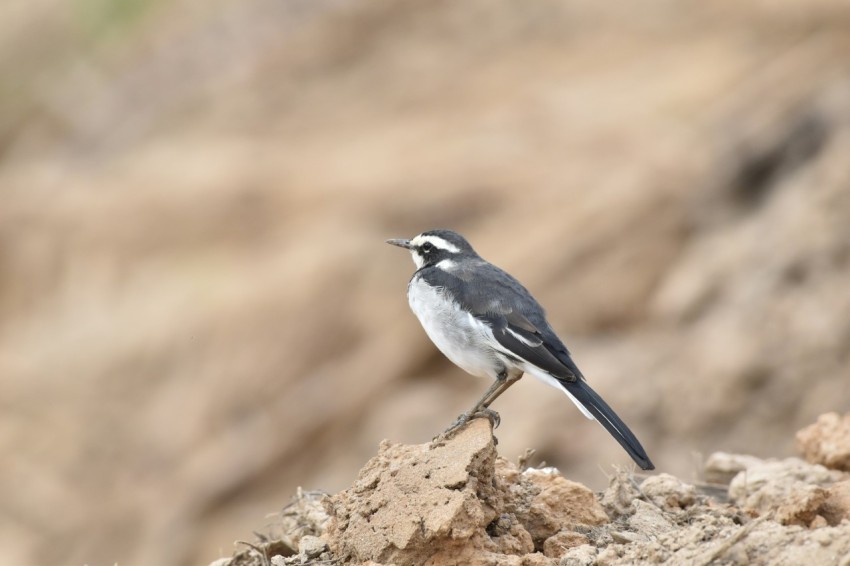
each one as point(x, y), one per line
point(457, 334)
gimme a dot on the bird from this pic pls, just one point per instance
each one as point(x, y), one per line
point(483, 320)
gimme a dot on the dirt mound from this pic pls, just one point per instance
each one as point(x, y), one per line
point(457, 501)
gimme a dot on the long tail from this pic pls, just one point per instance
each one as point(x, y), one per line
point(581, 392)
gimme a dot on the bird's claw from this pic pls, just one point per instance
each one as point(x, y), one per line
point(464, 418)
point(490, 415)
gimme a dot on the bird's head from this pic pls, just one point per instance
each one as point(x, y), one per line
point(435, 246)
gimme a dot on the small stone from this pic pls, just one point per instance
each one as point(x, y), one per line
point(626, 537)
point(668, 492)
point(535, 559)
point(788, 486)
point(827, 442)
point(721, 467)
point(622, 490)
point(311, 547)
point(824, 537)
point(583, 555)
point(648, 521)
point(801, 506)
point(560, 503)
point(558, 544)
point(836, 508)
point(608, 556)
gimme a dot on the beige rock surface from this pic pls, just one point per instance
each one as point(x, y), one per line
point(451, 503)
point(457, 502)
point(836, 508)
point(746, 487)
point(558, 505)
point(827, 442)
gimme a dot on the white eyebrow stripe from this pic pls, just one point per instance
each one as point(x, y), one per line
point(436, 241)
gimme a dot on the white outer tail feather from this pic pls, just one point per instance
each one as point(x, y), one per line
point(549, 380)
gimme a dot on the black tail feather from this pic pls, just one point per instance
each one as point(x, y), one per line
point(609, 419)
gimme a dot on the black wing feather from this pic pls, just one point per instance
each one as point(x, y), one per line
point(526, 345)
point(502, 302)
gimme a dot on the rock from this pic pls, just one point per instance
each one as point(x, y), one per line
point(768, 484)
point(708, 538)
point(583, 555)
point(796, 491)
point(827, 442)
point(609, 555)
point(453, 502)
point(411, 502)
point(802, 505)
point(311, 547)
point(561, 503)
point(535, 559)
point(622, 490)
point(668, 492)
point(648, 520)
point(836, 508)
point(721, 467)
point(304, 515)
point(456, 502)
point(775, 544)
point(558, 544)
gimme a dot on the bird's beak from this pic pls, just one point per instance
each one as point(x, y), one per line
point(400, 243)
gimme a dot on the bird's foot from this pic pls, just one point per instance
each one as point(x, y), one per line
point(464, 418)
point(490, 415)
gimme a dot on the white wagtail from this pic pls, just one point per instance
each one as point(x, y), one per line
point(489, 325)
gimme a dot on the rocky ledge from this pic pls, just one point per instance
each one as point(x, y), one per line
point(459, 502)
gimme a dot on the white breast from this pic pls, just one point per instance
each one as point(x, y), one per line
point(463, 339)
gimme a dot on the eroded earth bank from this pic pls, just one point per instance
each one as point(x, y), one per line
point(457, 501)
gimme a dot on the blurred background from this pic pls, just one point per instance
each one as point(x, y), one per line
point(197, 310)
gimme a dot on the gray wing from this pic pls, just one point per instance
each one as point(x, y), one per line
point(518, 321)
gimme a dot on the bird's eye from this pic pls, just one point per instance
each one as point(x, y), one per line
point(427, 247)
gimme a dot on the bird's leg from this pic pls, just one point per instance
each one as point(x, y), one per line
point(504, 383)
point(479, 409)
point(482, 406)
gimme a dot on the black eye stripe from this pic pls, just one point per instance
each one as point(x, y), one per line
point(427, 247)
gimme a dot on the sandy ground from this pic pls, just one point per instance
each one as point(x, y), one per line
point(198, 314)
